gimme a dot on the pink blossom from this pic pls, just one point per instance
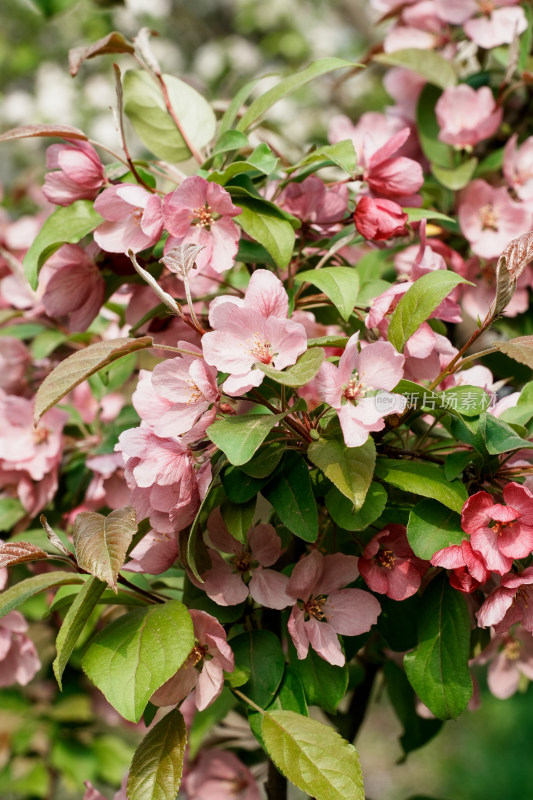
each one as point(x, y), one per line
point(377, 367)
point(488, 24)
point(404, 86)
point(191, 387)
point(93, 794)
point(246, 572)
point(155, 553)
point(252, 330)
point(220, 775)
point(468, 567)
point(200, 212)
point(509, 656)
point(509, 603)
point(14, 362)
point(204, 669)
point(467, 116)
point(134, 218)
point(314, 203)
point(19, 661)
point(379, 219)
point(76, 288)
point(489, 219)
point(500, 533)
point(79, 173)
point(476, 300)
point(324, 609)
point(518, 166)
point(389, 566)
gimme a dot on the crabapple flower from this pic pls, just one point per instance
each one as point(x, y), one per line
point(133, 218)
point(518, 166)
point(488, 24)
point(489, 219)
point(389, 566)
point(378, 366)
point(324, 609)
point(500, 533)
point(76, 289)
point(246, 572)
point(379, 219)
point(204, 669)
point(509, 656)
point(220, 775)
point(191, 387)
point(467, 116)
point(19, 661)
point(255, 329)
point(314, 203)
point(509, 603)
point(200, 212)
point(14, 362)
point(468, 570)
point(78, 173)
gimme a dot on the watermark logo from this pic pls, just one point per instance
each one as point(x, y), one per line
point(389, 403)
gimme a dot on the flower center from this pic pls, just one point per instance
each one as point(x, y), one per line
point(521, 596)
point(511, 650)
point(314, 607)
point(195, 394)
point(489, 217)
point(386, 559)
point(355, 388)
point(202, 217)
point(137, 215)
point(242, 560)
point(261, 349)
point(197, 653)
point(40, 435)
point(486, 6)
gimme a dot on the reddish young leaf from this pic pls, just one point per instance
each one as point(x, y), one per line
point(12, 553)
point(30, 131)
point(114, 42)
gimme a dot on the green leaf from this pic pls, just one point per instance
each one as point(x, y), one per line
point(230, 140)
point(431, 527)
point(438, 667)
point(265, 461)
point(137, 653)
point(456, 178)
point(342, 511)
point(329, 341)
point(525, 40)
point(417, 214)
point(291, 495)
point(469, 401)
point(65, 226)
point(340, 284)
point(287, 85)
point(417, 731)
point(238, 518)
point(313, 756)
point(259, 654)
point(341, 153)
point(260, 221)
point(157, 766)
point(239, 486)
point(428, 63)
point(425, 479)
point(418, 303)
point(455, 464)
point(324, 684)
point(74, 622)
point(240, 436)
point(145, 108)
point(11, 512)
point(520, 349)
point(16, 595)
point(397, 622)
point(79, 366)
point(101, 543)
point(262, 159)
point(304, 370)
point(428, 129)
point(500, 437)
point(350, 469)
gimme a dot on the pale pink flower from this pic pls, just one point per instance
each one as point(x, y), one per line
point(500, 533)
point(204, 669)
point(489, 219)
point(314, 203)
point(14, 362)
point(324, 610)
point(155, 553)
point(509, 656)
point(344, 387)
point(252, 330)
point(76, 288)
point(404, 86)
point(468, 570)
point(389, 566)
point(246, 572)
point(518, 166)
point(19, 661)
point(466, 115)
point(200, 212)
point(220, 775)
point(476, 300)
point(134, 218)
point(93, 794)
point(379, 219)
point(79, 173)
point(509, 603)
point(488, 24)
point(191, 387)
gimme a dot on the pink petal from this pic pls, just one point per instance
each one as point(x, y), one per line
point(351, 611)
point(265, 544)
point(306, 575)
point(324, 641)
point(338, 570)
point(266, 294)
point(210, 683)
point(268, 588)
point(298, 632)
